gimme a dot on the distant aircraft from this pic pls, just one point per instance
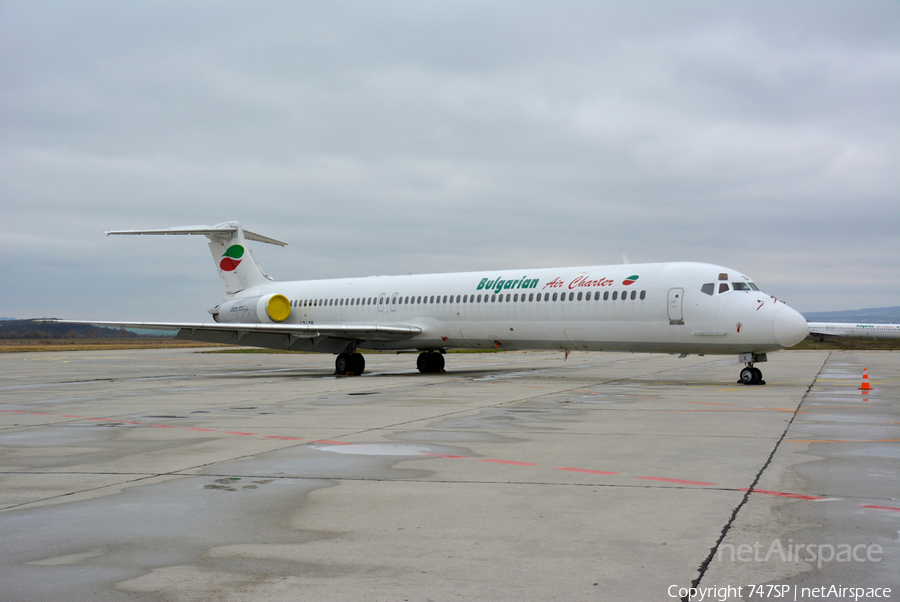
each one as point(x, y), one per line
point(653, 307)
point(822, 330)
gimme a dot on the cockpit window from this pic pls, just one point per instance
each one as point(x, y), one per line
point(740, 286)
point(723, 287)
point(709, 288)
point(753, 286)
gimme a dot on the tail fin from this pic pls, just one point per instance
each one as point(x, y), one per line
point(237, 268)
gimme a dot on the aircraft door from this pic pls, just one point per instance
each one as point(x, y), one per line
point(381, 302)
point(394, 301)
point(674, 306)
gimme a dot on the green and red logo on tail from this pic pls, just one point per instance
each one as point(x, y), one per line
point(630, 280)
point(232, 258)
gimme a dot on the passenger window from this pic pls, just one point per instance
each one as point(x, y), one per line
point(445, 298)
point(615, 295)
point(606, 295)
point(708, 289)
point(531, 296)
point(633, 295)
point(644, 295)
point(555, 295)
point(723, 287)
point(571, 296)
point(516, 297)
point(493, 298)
point(457, 298)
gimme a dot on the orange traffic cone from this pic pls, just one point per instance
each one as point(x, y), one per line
point(865, 383)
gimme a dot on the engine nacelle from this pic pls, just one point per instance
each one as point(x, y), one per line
point(267, 309)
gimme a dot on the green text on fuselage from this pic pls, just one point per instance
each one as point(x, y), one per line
point(499, 284)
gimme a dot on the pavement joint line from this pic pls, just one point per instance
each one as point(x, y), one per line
point(701, 571)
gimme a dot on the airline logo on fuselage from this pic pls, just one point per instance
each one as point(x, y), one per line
point(499, 284)
point(231, 259)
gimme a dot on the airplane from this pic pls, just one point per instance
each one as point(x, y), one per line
point(821, 330)
point(684, 308)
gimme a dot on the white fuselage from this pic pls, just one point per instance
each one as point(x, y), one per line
point(656, 307)
point(868, 331)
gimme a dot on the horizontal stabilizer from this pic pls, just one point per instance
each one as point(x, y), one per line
point(222, 231)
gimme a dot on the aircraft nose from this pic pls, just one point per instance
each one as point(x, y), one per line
point(790, 327)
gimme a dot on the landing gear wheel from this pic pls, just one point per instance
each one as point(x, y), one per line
point(342, 363)
point(357, 363)
point(430, 362)
point(759, 378)
point(751, 376)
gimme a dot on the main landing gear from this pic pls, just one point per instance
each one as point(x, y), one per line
point(350, 363)
point(430, 362)
point(751, 375)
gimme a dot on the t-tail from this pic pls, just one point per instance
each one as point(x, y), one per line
point(237, 268)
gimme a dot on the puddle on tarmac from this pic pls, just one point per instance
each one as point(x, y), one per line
point(377, 449)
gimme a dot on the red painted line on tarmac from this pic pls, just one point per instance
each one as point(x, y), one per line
point(284, 438)
point(881, 507)
point(508, 462)
point(782, 494)
point(569, 468)
point(679, 481)
point(236, 433)
point(68, 416)
point(163, 426)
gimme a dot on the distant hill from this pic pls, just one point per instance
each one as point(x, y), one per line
point(29, 329)
point(874, 315)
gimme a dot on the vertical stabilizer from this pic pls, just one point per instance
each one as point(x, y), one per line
point(237, 268)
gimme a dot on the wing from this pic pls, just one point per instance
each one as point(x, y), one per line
point(325, 338)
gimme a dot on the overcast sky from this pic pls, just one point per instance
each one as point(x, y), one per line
point(415, 137)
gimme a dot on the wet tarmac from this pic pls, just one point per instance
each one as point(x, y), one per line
point(178, 475)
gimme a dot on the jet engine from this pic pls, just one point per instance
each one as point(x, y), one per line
point(266, 309)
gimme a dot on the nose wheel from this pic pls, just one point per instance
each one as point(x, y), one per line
point(751, 376)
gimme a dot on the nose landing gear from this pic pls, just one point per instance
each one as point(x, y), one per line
point(751, 375)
